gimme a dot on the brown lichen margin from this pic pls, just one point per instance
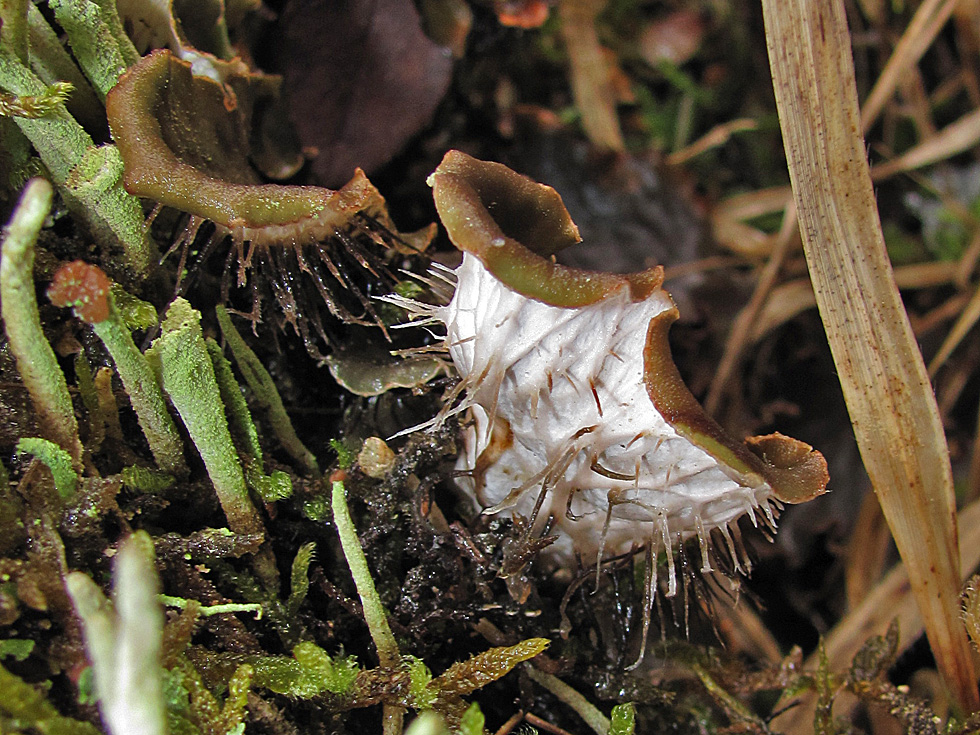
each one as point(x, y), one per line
point(260, 213)
point(794, 470)
point(514, 225)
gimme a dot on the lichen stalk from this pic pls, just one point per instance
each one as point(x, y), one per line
point(264, 389)
point(374, 612)
point(13, 22)
point(124, 643)
point(88, 290)
point(585, 709)
point(51, 62)
point(188, 378)
point(101, 52)
point(89, 177)
point(144, 393)
point(36, 361)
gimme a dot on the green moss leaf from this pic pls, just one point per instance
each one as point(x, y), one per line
point(28, 705)
point(421, 694)
point(472, 721)
point(299, 579)
point(146, 480)
point(17, 648)
point(135, 313)
point(345, 455)
point(310, 672)
point(467, 676)
point(35, 106)
point(623, 719)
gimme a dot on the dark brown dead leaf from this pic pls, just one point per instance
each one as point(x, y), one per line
point(362, 79)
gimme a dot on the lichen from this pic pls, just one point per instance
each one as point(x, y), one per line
point(87, 290)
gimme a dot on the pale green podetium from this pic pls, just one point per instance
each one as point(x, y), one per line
point(36, 362)
point(57, 460)
point(181, 359)
point(265, 392)
point(144, 393)
point(124, 639)
point(135, 372)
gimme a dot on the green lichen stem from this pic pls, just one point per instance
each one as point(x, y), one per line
point(57, 460)
point(240, 421)
point(13, 27)
point(266, 394)
point(374, 612)
point(270, 488)
point(52, 63)
point(583, 707)
point(90, 399)
point(110, 17)
point(188, 378)
point(124, 640)
point(36, 362)
point(60, 141)
point(89, 177)
point(144, 393)
point(101, 53)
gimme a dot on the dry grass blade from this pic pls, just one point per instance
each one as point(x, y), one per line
point(955, 138)
point(928, 20)
point(891, 403)
point(874, 10)
point(742, 328)
point(967, 318)
point(590, 78)
point(729, 226)
point(717, 136)
point(792, 298)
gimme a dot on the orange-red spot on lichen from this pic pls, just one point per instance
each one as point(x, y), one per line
point(525, 14)
point(85, 288)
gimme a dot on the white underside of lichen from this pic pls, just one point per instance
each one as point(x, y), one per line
point(614, 477)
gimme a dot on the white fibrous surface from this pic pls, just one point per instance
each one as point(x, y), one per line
point(559, 407)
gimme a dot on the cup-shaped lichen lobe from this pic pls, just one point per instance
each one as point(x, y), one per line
point(184, 140)
point(315, 253)
point(575, 368)
point(495, 198)
point(185, 143)
point(513, 225)
point(568, 385)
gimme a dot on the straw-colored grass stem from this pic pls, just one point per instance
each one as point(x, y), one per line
point(888, 394)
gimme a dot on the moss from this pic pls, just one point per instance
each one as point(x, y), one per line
point(35, 106)
point(24, 703)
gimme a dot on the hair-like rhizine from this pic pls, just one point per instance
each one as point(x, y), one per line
point(579, 421)
point(301, 241)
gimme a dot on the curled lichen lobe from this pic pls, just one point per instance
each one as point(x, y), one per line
point(85, 288)
point(514, 225)
point(577, 410)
